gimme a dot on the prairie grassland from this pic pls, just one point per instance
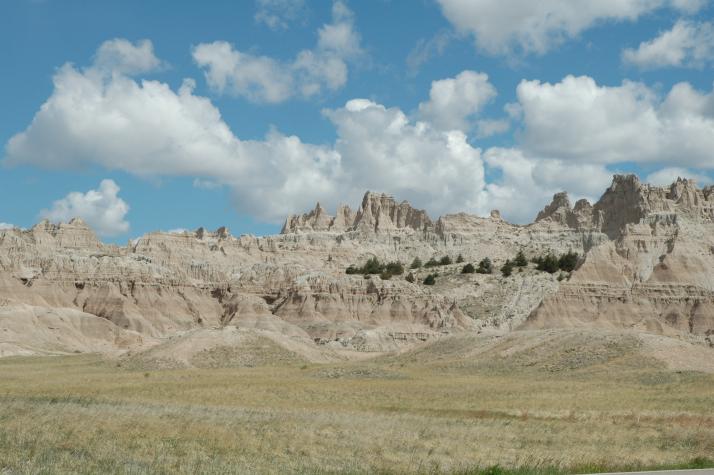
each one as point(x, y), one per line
point(83, 414)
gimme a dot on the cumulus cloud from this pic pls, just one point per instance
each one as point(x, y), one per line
point(687, 44)
point(454, 101)
point(577, 119)
point(669, 175)
point(264, 79)
point(488, 127)
point(279, 14)
point(6, 226)
point(527, 26)
point(380, 148)
point(528, 183)
point(101, 209)
point(122, 56)
point(147, 129)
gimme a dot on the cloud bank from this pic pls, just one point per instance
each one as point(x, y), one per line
point(264, 79)
point(571, 135)
point(101, 209)
point(506, 27)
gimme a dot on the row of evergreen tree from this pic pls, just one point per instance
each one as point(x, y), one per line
point(548, 263)
point(373, 266)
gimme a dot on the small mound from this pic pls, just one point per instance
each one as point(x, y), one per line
point(357, 372)
point(228, 347)
point(40, 330)
point(559, 350)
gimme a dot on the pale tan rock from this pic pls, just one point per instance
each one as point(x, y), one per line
point(648, 260)
point(655, 276)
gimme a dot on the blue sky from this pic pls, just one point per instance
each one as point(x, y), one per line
point(137, 116)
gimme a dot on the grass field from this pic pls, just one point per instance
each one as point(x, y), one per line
point(418, 413)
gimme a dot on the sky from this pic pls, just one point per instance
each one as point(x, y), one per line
point(143, 115)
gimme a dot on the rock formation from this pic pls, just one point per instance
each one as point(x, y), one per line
point(378, 213)
point(656, 272)
point(647, 263)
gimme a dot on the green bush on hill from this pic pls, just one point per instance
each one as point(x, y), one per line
point(485, 266)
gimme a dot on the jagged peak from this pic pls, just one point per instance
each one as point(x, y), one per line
point(582, 204)
point(377, 212)
point(75, 234)
point(77, 221)
point(625, 179)
point(557, 208)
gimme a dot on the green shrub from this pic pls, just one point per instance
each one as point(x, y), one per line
point(568, 261)
point(394, 268)
point(353, 270)
point(445, 261)
point(507, 269)
point(520, 260)
point(431, 263)
point(485, 266)
point(468, 269)
point(459, 259)
point(416, 263)
point(373, 266)
point(549, 264)
point(410, 278)
point(430, 279)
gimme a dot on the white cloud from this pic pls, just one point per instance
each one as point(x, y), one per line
point(527, 26)
point(381, 149)
point(148, 129)
point(6, 226)
point(425, 49)
point(265, 79)
point(454, 101)
point(577, 119)
point(258, 78)
point(527, 183)
point(121, 56)
point(667, 176)
point(101, 209)
point(687, 44)
point(279, 14)
point(488, 127)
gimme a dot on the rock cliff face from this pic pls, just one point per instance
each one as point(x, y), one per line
point(378, 213)
point(647, 262)
point(654, 274)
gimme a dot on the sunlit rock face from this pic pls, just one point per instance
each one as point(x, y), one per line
point(646, 263)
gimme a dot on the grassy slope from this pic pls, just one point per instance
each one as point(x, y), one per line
point(431, 410)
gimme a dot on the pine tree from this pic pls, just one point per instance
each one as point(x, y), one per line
point(567, 262)
point(468, 269)
point(485, 266)
point(507, 269)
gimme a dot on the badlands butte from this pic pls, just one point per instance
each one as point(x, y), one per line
point(645, 270)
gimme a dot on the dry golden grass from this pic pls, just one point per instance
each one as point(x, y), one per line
point(82, 414)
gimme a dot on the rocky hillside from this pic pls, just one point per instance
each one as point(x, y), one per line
point(645, 261)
